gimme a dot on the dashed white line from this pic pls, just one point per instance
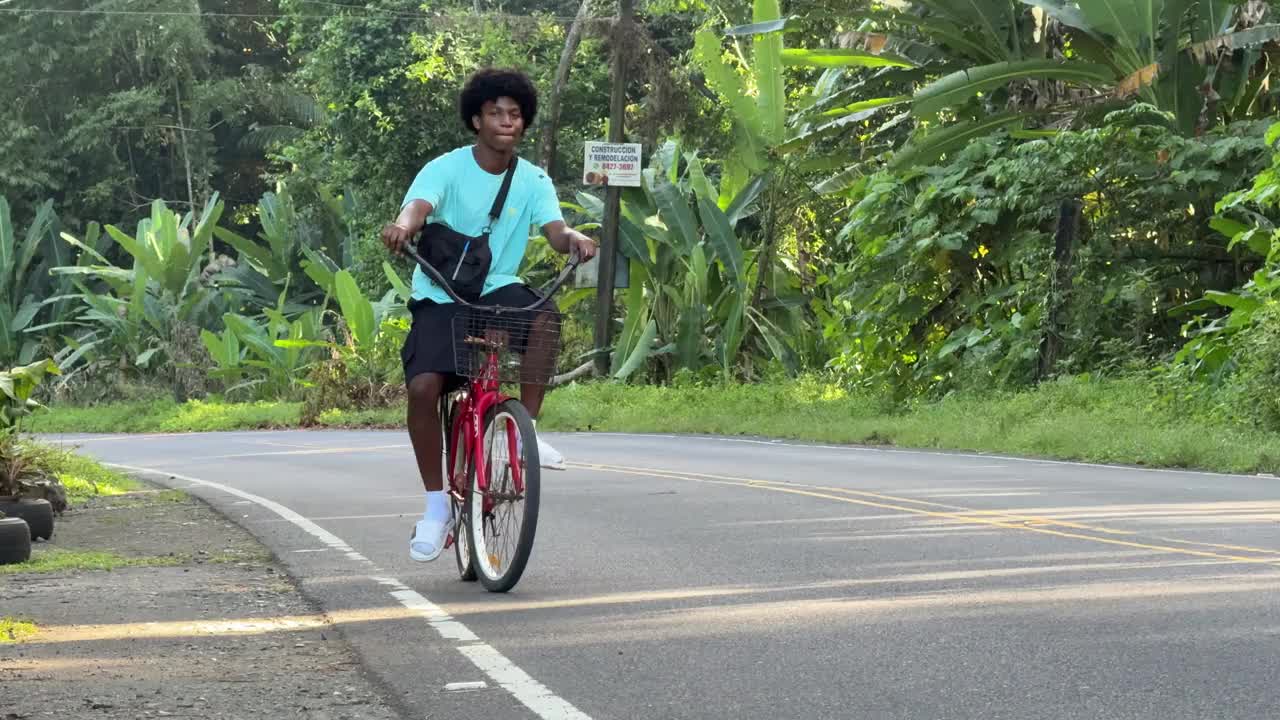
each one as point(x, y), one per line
point(464, 686)
point(436, 617)
point(531, 693)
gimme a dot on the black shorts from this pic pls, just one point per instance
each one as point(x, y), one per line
point(429, 347)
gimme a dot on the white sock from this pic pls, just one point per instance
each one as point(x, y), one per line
point(437, 506)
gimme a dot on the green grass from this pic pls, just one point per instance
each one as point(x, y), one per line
point(13, 630)
point(83, 477)
point(147, 498)
point(1115, 420)
point(381, 417)
point(161, 416)
point(54, 560)
point(1112, 421)
point(166, 416)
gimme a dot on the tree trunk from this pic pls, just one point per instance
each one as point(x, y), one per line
point(1064, 246)
point(764, 261)
point(186, 153)
point(547, 153)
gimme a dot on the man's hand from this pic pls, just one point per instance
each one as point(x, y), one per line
point(565, 239)
point(396, 237)
point(582, 246)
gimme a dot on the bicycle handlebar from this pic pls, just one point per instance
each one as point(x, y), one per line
point(547, 291)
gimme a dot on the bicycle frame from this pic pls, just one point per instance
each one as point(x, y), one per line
point(466, 438)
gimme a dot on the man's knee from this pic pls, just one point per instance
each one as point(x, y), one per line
point(547, 319)
point(425, 389)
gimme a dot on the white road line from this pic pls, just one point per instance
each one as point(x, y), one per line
point(117, 437)
point(531, 693)
point(310, 451)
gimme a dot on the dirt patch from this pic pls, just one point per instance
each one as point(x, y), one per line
point(222, 633)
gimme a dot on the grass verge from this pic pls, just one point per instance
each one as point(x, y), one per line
point(161, 416)
point(1110, 421)
point(83, 477)
point(13, 630)
point(1113, 420)
point(52, 560)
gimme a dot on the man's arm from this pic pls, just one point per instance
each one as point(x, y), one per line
point(564, 239)
point(397, 235)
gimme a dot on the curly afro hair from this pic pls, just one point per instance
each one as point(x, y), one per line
point(491, 84)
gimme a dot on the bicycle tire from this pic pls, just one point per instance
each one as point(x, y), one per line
point(461, 532)
point(462, 543)
point(508, 577)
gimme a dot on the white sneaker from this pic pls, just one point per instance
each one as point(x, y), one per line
point(549, 456)
point(427, 541)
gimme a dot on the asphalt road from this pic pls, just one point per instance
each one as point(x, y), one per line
point(714, 578)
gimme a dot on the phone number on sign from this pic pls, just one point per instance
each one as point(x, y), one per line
point(617, 166)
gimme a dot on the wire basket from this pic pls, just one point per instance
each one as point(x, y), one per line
point(526, 343)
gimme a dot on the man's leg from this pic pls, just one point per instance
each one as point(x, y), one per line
point(424, 428)
point(539, 361)
point(429, 534)
point(536, 369)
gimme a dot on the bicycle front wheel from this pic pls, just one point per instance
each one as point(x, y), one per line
point(503, 512)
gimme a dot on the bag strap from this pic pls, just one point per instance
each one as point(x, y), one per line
point(496, 211)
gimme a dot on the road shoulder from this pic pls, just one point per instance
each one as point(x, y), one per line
point(196, 619)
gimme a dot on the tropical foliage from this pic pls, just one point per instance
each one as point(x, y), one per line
point(917, 195)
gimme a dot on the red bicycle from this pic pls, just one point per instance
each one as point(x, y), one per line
point(491, 462)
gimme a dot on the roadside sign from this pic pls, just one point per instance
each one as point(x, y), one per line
point(588, 273)
point(612, 164)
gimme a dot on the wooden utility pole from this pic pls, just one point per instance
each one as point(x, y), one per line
point(1052, 343)
point(613, 195)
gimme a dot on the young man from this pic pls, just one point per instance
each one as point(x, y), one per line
point(458, 189)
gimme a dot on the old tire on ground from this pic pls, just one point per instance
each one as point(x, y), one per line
point(37, 512)
point(15, 541)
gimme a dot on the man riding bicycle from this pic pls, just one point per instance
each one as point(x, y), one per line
point(458, 189)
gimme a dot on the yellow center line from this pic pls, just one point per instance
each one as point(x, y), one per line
point(1244, 548)
point(971, 517)
point(1013, 515)
point(959, 509)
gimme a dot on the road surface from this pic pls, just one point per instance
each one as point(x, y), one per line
point(679, 577)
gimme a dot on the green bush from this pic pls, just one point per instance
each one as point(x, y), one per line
point(1255, 387)
point(358, 377)
point(947, 285)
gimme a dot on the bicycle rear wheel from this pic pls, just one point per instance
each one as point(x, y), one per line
point(503, 515)
point(457, 463)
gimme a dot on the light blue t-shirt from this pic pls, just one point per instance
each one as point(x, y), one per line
point(461, 194)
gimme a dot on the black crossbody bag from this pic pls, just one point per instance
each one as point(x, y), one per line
point(464, 260)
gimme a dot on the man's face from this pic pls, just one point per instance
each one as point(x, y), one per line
point(500, 124)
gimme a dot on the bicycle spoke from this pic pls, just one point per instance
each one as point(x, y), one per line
point(502, 518)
